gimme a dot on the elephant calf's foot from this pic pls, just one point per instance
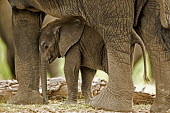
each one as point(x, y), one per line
point(160, 107)
point(108, 101)
point(70, 102)
point(87, 101)
point(27, 97)
point(87, 97)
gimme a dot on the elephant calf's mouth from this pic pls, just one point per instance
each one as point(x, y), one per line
point(50, 59)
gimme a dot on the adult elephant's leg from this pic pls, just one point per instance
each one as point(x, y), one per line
point(117, 96)
point(151, 29)
point(160, 65)
point(26, 26)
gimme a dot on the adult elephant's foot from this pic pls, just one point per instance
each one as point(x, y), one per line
point(107, 100)
point(27, 97)
point(158, 107)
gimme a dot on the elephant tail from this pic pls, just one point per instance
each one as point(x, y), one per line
point(141, 43)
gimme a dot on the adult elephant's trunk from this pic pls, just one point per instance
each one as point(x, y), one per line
point(43, 70)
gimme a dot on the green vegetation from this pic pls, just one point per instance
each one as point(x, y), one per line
point(138, 71)
point(4, 68)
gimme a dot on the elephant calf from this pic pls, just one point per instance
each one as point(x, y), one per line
point(83, 48)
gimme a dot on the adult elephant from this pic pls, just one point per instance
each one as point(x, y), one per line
point(114, 20)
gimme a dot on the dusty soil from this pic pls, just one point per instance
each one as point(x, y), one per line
point(57, 89)
point(59, 107)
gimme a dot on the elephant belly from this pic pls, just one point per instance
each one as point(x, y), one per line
point(92, 49)
point(91, 64)
point(92, 57)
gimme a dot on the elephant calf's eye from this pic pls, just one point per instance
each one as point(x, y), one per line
point(45, 46)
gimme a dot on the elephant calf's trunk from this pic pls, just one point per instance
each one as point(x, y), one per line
point(43, 71)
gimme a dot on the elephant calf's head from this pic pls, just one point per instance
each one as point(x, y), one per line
point(48, 42)
point(58, 36)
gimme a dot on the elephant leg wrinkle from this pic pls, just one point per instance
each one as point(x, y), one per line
point(117, 96)
point(162, 101)
point(26, 33)
point(117, 103)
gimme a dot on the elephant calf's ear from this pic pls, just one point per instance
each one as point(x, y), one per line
point(56, 30)
point(70, 34)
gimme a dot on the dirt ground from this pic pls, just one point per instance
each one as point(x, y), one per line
point(59, 107)
point(57, 86)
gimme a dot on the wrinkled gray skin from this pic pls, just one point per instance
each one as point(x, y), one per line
point(6, 33)
point(84, 49)
point(28, 91)
point(114, 21)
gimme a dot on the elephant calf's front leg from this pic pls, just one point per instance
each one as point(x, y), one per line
point(71, 70)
